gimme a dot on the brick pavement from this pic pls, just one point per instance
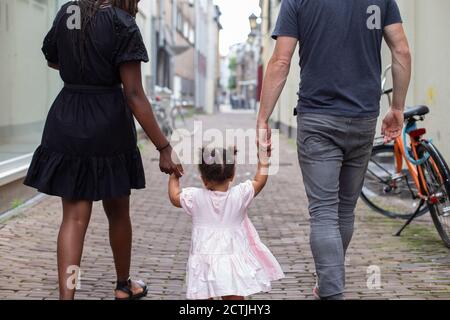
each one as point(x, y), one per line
point(417, 265)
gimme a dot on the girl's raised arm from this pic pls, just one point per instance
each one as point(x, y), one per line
point(174, 190)
point(260, 180)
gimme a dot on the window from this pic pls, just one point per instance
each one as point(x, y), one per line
point(179, 21)
point(22, 116)
point(192, 36)
point(186, 30)
point(4, 15)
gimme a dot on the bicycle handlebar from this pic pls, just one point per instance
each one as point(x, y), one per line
point(389, 91)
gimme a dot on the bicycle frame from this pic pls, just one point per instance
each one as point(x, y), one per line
point(415, 170)
point(401, 154)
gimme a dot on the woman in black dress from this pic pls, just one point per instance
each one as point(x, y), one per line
point(89, 146)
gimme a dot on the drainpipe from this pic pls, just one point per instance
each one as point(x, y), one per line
point(197, 53)
point(161, 23)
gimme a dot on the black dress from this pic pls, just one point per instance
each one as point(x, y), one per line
point(89, 146)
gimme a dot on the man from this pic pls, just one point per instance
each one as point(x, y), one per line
point(339, 103)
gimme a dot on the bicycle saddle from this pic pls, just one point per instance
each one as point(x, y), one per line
point(416, 111)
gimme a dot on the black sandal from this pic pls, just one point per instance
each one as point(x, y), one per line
point(124, 286)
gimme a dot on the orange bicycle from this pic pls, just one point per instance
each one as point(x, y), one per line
point(409, 178)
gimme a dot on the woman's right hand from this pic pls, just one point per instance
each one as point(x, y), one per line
point(167, 163)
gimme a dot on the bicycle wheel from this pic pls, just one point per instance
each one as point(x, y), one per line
point(437, 178)
point(177, 117)
point(392, 194)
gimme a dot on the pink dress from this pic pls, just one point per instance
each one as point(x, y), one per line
point(227, 256)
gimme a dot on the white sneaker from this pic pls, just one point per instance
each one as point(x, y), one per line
point(315, 292)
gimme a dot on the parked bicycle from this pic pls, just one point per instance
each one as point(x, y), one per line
point(177, 114)
point(162, 118)
point(410, 177)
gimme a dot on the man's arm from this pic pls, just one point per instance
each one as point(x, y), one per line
point(273, 84)
point(401, 63)
point(401, 73)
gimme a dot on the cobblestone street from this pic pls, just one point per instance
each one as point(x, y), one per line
point(417, 265)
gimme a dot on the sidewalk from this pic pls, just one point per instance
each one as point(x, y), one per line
point(417, 265)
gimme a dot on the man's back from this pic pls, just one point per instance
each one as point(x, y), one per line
point(340, 59)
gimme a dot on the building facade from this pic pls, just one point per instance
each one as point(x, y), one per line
point(245, 67)
point(185, 41)
point(213, 65)
point(187, 37)
point(206, 54)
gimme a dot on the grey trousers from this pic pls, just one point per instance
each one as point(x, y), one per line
point(333, 153)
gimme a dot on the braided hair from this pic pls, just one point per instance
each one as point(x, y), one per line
point(131, 6)
point(88, 9)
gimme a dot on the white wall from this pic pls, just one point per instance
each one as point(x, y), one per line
point(27, 85)
point(427, 24)
point(144, 21)
point(25, 97)
point(212, 54)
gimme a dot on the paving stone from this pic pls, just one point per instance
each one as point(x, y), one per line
point(415, 266)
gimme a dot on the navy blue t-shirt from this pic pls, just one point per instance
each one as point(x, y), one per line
point(340, 52)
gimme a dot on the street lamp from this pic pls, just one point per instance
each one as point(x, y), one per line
point(253, 22)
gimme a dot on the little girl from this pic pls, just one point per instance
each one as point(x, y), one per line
point(227, 258)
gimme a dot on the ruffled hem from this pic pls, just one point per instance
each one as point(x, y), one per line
point(85, 178)
point(268, 262)
point(211, 276)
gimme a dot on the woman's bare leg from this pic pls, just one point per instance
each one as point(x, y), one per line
point(120, 237)
point(76, 216)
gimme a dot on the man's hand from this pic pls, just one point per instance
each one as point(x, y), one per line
point(392, 125)
point(264, 138)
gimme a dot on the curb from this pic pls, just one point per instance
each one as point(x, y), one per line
point(17, 211)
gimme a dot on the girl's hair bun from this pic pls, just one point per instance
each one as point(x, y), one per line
point(217, 164)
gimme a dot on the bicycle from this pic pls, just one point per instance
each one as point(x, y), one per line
point(407, 192)
point(162, 118)
point(177, 114)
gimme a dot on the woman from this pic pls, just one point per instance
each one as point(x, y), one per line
point(89, 146)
